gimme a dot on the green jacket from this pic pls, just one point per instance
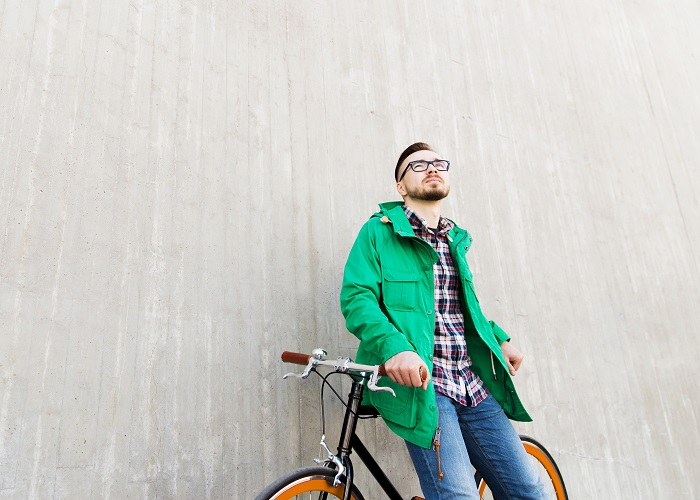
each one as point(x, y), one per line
point(387, 298)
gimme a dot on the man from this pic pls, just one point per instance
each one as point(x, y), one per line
point(408, 296)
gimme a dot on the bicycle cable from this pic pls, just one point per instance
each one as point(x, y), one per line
point(325, 382)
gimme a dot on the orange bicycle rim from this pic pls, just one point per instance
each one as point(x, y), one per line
point(546, 463)
point(307, 484)
point(548, 466)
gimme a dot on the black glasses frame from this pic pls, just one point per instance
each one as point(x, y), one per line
point(428, 163)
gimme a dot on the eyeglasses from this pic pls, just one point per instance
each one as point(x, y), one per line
point(422, 166)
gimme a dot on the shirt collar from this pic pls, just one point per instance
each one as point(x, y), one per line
point(417, 222)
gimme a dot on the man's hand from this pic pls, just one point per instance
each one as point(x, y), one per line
point(512, 356)
point(407, 368)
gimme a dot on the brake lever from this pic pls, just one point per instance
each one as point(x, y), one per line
point(316, 356)
point(372, 384)
point(305, 373)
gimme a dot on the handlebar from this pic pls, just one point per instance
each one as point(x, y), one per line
point(298, 358)
point(318, 358)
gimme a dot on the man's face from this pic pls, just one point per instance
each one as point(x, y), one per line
point(429, 185)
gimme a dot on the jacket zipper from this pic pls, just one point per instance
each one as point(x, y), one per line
point(493, 366)
point(436, 446)
point(436, 438)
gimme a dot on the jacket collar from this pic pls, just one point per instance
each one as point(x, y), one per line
point(397, 217)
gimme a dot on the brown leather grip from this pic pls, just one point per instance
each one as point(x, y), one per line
point(295, 357)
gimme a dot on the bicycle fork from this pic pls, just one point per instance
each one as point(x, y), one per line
point(350, 441)
point(349, 425)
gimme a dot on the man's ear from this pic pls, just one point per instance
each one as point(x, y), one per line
point(401, 189)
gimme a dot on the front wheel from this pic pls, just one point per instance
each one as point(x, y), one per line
point(307, 483)
point(543, 464)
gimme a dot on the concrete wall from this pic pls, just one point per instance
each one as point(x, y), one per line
point(181, 181)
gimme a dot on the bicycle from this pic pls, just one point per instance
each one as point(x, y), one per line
point(334, 476)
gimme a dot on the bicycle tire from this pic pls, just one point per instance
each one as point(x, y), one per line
point(545, 466)
point(306, 481)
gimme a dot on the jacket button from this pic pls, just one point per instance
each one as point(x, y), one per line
point(432, 408)
point(430, 312)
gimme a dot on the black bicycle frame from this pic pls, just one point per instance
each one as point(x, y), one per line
point(350, 441)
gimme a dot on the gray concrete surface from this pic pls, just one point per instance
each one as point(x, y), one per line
point(180, 183)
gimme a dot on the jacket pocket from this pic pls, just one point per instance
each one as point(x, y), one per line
point(400, 410)
point(400, 289)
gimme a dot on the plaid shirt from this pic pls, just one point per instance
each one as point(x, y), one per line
point(452, 374)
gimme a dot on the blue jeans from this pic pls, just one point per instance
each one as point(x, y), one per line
point(479, 436)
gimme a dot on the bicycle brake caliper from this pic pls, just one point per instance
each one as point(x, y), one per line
point(331, 459)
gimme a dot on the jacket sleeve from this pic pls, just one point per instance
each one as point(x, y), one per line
point(499, 333)
point(361, 298)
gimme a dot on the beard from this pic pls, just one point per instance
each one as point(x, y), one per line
point(432, 192)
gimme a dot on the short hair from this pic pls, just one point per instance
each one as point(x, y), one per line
point(418, 146)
